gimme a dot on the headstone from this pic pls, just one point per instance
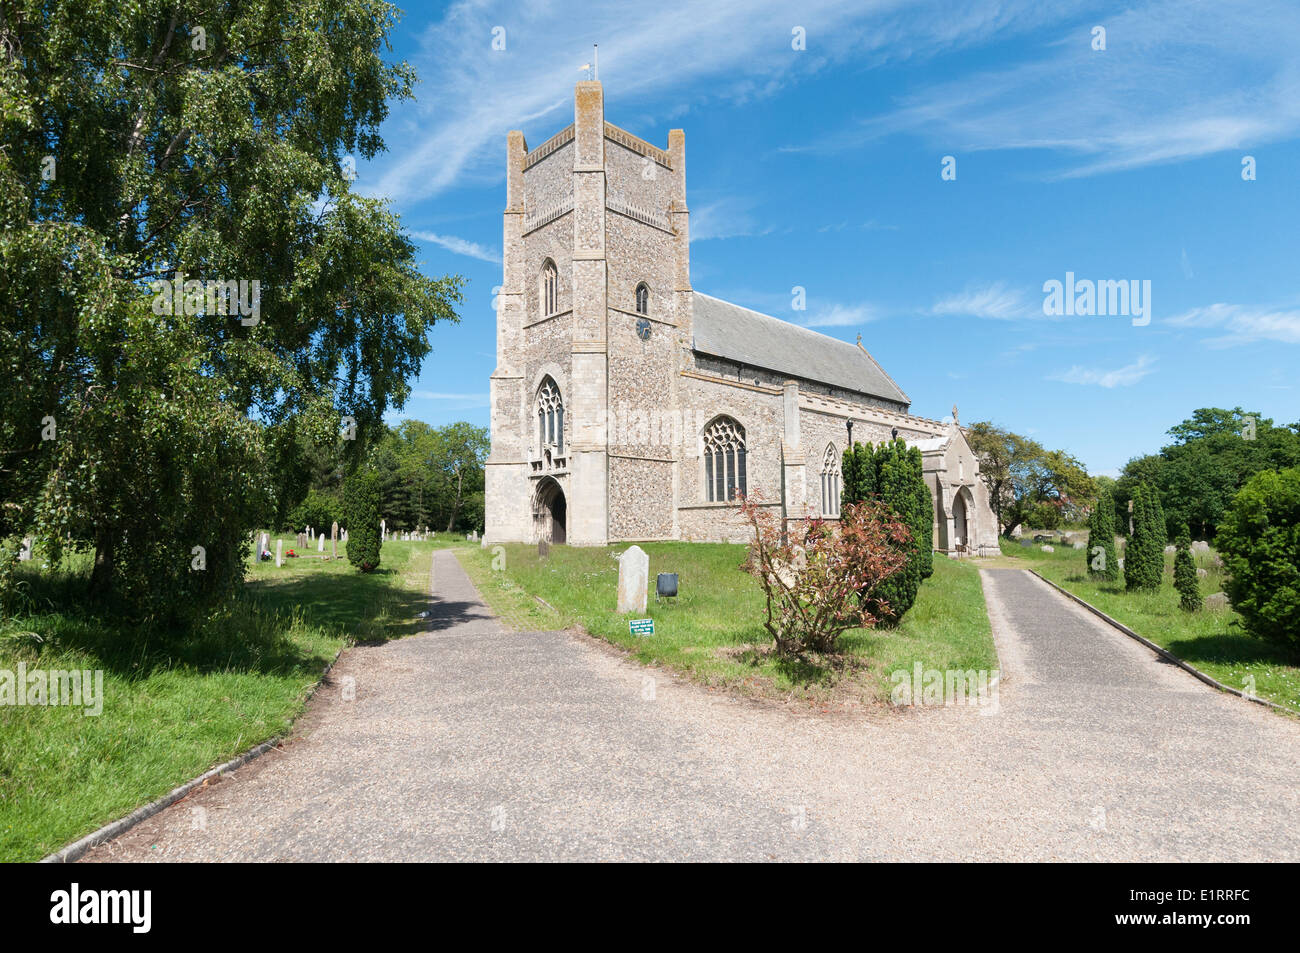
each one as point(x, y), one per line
point(279, 560)
point(1078, 545)
point(320, 543)
point(1202, 573)
point(633, 579)
point(301, 541)
point(266, 542)
point(543, 549)
point(25, 553)
point(1200, 546)
point(334, 541)
point(1218, 601)
point(1048, 549)
point(383, 530)
point(1171, 549)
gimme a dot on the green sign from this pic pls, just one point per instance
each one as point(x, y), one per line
point(642, 626)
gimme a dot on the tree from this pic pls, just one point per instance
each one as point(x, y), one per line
point(1185, 581)
point(1144, 559)
point(195, 165)
point(462, 451)
point(1100, 554)
point(361, 499)
point(1028, 484)
point(1214, 453)
point(892, 473)
point(820, 578)
point(1259, 539)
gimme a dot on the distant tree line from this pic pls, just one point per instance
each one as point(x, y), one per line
point(426, 476)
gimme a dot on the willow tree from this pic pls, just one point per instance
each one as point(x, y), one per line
point(210, 145)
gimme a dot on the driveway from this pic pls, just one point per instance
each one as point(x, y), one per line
point(471, 742)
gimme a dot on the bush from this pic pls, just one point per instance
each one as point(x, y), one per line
point(1259, 540)
point(1144, 558)
point(892, 474)
point(1100, 554)
point(1189, 589)
point(821, 579)
point(317, 511)
point(361, 496)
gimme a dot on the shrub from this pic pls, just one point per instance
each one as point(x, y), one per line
point(1100, 554)
point(1259, 540)
point(317, 510)
point(361, 496)
point(892, 474)
point(1144, 557)
point(1189, 589)
point(821, 579)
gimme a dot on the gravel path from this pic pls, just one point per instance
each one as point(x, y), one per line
point(473, 743)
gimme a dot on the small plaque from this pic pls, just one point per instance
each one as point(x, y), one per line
point(641, 626)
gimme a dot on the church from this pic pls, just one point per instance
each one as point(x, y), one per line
point(627, 406)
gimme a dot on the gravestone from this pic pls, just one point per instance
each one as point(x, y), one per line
point(279, 560)
point(383, 530)
point(334, 541)
point(301, 541)
point(543, 549)
point(25, 553)
point(1048, 549)
point(633, 579)
point(1200, 546)
point(266, 542)
point(1217, 601)
point(320, 543)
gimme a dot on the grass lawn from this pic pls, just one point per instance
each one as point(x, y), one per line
point(172, 711)
point(714, 631)
point(1212, 641)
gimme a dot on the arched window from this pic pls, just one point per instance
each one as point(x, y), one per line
point(643, 298)
point(550, 417)
point(831, 482)
point(549, 289)
point(724, 460)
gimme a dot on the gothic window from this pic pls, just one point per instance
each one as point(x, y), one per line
point(643, 298)
point(724, 460)
point(831, 482)
point(549, 289)
point(550, 418)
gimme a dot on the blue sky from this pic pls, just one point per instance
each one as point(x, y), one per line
point(821, 168)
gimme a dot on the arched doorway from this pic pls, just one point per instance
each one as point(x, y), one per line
point(960, 523)
point(550, 513)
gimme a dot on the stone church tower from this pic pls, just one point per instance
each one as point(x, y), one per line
point(626, 406)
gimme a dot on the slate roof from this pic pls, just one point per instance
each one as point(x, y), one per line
point(728, 331)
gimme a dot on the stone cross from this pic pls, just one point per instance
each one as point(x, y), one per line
point(633, 579)
point(279, 561)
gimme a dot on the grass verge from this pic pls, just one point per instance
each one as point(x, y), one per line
point(173, 708)
point(714, 631)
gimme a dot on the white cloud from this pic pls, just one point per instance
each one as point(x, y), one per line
point(1120, 377)
point(995, 301)
point(738, 50)
point(841, 316)
point(1177, 81)
point(460, 246)
point(724, 218)
point(1244, 324)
